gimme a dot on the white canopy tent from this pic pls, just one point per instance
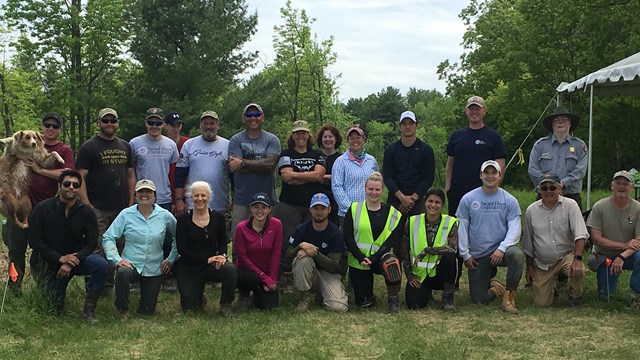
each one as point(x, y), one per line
point(622, 77)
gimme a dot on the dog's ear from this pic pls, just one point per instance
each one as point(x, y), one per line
point(17, 136)
point(39, 136)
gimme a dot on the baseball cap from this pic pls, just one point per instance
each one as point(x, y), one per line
point(408, 114)
point(300, 125)
point(209, 113)
point(623, 173)
point(145, 184)
point(154, 112)
point(261, 198)
point(173, 118)
point(52, 115)
point(490, 163)
point(549, 178)
point(476, 100)
point(320, 199)
point(355, 128)
point(107, 111)
point(252, 105)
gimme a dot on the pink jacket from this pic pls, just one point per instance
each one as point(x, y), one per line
point(260, 252)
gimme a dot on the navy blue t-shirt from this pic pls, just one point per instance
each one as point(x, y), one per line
point(470, 148)
point(328, 241)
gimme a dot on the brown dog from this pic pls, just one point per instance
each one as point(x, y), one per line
point(15, 173)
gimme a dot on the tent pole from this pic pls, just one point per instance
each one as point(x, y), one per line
point(590, 148)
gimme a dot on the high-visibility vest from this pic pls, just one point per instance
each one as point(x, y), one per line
point(418, 241)
point(363, 234)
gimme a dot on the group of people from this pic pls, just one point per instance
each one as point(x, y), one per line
point(161, 208)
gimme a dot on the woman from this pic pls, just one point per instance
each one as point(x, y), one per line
point(350, 171)
point(144, 226)
point(258, 242)
point(329, 140)
point(201, 238)
point(371, 230)
point(428, 252)
point(301, 169)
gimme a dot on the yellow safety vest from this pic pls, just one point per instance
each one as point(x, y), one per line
point(363, 235)
point(418, 241)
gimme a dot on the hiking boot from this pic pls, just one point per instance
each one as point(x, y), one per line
point(90, 304)
point(306, 297)
point(243, 304)
point(225, 309)
point(394, 304)
point(509, 302)
point(575, 302)
point(124, 314)
point(496, 288)
point(169, 285)
point(287, 283)
point(447, 300)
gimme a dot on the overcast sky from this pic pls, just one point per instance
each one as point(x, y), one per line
point(379, 43)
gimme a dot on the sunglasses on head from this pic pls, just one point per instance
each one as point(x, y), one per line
point(75, 184)
point(253, 114)
point(547, 188)
point(48, 126)
point(109, 120)
point(154, 123)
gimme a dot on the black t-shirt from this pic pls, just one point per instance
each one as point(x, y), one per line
point(300, 162)
point(108, 162)
point(328, 241)
point(329, 160)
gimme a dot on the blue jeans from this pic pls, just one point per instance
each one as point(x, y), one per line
point(632, 263)
point(93, 265)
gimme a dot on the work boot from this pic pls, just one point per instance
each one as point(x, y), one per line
point(575, 302)
point(287, 283)
point(305, 301)
point(509, 302)
point(244, 302)
point(496, 288)
point(447, 300)
point(394, 304)
point(168, 284)
point(90, 304)
point(225, 309)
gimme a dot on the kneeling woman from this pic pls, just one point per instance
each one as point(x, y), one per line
point(371, 230)
point(201, 238)
point(258, 242)
point(144, 226)
point(428, 254)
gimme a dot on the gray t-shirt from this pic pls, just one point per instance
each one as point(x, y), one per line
point(615, 224)
point(208, 161)
point(152, 159)
point(248, 184)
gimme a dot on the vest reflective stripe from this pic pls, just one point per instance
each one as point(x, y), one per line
point(418, 241)
point(363, 235)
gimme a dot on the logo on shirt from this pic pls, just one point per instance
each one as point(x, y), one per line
point(480, 142)
point(475, 205)
point(324, 245)
point(291, 239)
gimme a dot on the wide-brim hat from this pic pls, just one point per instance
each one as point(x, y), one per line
point(560, 110)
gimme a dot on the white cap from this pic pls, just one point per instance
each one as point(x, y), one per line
point(490, 163)
point(408, 114)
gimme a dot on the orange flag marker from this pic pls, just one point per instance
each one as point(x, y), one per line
point(13, 274)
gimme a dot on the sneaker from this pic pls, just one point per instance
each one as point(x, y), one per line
point(394, 304)
point(225, 309)
point(367, 302)
point(243, 304)
point(169, 285)
point(124, 314)
point(447, 300)
point(575, 302)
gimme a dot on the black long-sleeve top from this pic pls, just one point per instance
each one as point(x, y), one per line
point(53, 234)
point(408, 169)
point(377, 219)
point(195, 244)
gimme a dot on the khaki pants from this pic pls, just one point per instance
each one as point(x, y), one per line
point(309, 278)
point(544, 285)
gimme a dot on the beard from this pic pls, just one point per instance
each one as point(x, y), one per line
point(319, 219)
point(209, 135)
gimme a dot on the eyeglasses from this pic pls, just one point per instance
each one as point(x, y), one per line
point(547, 188)
point(75, 184)
point(154, 123)
point(109, 121)
point(49, 126)
point(253, 114)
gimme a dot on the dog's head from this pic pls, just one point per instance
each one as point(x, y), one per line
point(27, 139)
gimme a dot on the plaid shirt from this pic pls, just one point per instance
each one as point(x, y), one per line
point(348, 178)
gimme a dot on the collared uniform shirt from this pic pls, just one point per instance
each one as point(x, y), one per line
point(567, 160)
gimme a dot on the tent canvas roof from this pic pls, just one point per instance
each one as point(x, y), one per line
point(622, 77)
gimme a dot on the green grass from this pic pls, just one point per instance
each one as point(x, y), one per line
point(600, 329)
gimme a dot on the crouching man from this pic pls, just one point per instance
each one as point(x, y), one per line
point(553, 240)
point(317, 254)
point(63, 233)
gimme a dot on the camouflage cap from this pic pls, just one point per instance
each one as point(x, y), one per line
point(107, 111)
point(209, 113)
point(154, 112)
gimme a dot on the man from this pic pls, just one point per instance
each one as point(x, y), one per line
point(467, 149)
point(253, 155)
point(316, 250)
point(615, 232)
point(553, 241)
point(63, 233)
point(560, 154)
point(173, 125)
point(106, 164)
point(409, 168)
point(204, 158)
point(44, 185)
point(488, 232)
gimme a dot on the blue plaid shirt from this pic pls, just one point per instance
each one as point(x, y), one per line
point(348, 178)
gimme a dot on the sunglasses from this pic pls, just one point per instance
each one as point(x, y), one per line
point(49, 126)
point(109, 121)
point(75, 184)
point(547, 188)
point(154, 123)
point(253, 114)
